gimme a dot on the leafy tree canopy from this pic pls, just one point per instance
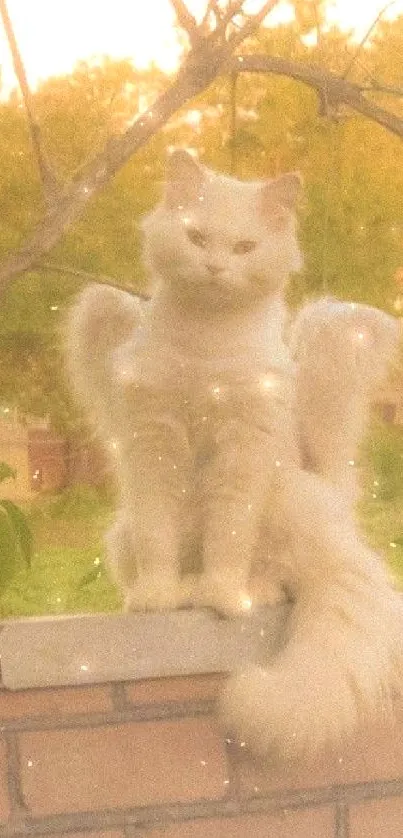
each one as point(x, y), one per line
point(351, 219)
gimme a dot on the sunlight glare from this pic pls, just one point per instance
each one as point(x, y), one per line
point(53, 36)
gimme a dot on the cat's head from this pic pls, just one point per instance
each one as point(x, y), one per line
point(220, 241)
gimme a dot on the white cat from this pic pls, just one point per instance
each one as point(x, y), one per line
point(236, 447)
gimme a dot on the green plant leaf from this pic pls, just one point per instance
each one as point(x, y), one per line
point(9, 549)
point(90, 577)
point(6, 472)
point(22, 530)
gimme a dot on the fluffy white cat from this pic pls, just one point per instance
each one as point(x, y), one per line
point(237, 447)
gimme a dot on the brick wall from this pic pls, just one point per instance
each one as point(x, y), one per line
point(147, 760)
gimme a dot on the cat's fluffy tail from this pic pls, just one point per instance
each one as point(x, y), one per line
point(99, 322)
point(343, 661)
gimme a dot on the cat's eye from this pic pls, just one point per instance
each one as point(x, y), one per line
point(196, 236)
point(244, 246)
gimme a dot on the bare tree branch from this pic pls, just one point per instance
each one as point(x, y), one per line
point(212, 8)
point(96, 174)
point(252, 24)
point(215, 49)
point(89, 276)
point(51, 187)
point(372, 85)
point(378, 87)
point(206, 60)
point(365, 38)
point(201, 66)
point(189, 83)
point(318, 24)
point(186, 21)
point(337, 91)
point(223, 16)
point(233, 9)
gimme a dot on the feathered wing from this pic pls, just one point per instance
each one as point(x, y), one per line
point(342, 353)
point(99, 324)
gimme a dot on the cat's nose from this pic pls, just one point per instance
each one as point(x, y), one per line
point(214, 269)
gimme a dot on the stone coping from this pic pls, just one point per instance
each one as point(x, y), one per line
point(95, 648)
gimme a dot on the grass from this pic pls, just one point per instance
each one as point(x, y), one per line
point(67, 573)
point(382, 523)
point(56, 584)
point(381, 509)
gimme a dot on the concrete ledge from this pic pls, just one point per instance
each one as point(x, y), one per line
point(87, 649)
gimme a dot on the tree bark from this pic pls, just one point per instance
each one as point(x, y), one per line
point(336, 90)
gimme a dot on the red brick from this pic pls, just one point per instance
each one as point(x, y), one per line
point(122, 766)
point(377, 819)
point(316, 823)
point(375, 754)
point(109, 834)
point(4, 801)
point(160, 690)
point(48, 702)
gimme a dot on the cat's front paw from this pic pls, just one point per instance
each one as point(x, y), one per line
point(149, 594)
point(224, 594)
point(230, 597)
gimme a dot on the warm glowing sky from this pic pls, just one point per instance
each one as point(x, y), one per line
point(54, 34)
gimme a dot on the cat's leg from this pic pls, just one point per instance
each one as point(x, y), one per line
point(235, 487)
point(120, 554)
point(145, 544)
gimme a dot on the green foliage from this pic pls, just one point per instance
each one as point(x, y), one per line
point(309, 14)
point(351, 221)
point(55, 584)
point(351, 232)
point(383, 453)
point(381, 509)
point(91, 576)
point(6, 472)
point(19, 526)
point(65, 574)
point(77, 503)
point(16, 540)
point(77, 114)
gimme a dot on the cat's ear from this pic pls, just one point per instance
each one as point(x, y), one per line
point(184, 181)
point(279, 196)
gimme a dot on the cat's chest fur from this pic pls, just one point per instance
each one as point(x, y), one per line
point(205, 372)
point(186, 351)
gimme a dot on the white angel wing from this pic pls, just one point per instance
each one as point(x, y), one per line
point(102, 320)
point(342, 353)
